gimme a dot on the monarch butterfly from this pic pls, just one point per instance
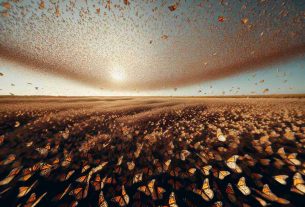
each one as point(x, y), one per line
point(175, 172)
point(120, 160)
point(206, 169)
point(101, 200)
point(137, 178)
point(221, 174)
point(97, 182)
point(147, 171)
point(25, 190)
point(10, 176)
point(175, 184)
point(205, 192)
point(78, 193)
point(45, 169)
point(265, 162)
point(163, 167)
point(298, 184)
point(266, 193)
point(64, 177)
point(26, 174)
point(231, 163)
point(172, 200)
point(242, 187)
point(61, 195)
point(85, 168)
point(123, 199)
point(291, 159)
point(231, 193)
point(109, 180)
point(261, 201)
point(10, 158)
point(281, 179)
point(217, 204)
point(269, 150)
point(149, 190)
point(190, 172)
point(42, 151)
point(184, 154)
point(82, 179)
point(281, 152)
point(130, 165)
point(32, 201)
point(66, 162)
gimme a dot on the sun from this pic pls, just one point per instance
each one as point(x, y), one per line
point(118, 73)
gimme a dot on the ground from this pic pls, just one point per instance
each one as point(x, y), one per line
point(140, 151)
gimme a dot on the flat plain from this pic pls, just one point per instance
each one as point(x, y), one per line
point(152, 151)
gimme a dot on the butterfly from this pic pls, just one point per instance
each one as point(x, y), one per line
point(130, 165)
point(149, 190)
point(269, 150)
point(175, 172)
point(33, 201)
point(205, 192)
point(26, 174)
point(97, 182)
point(220, 136)
point(67, 161)
point(61, 195)
point(261, 201)
point(10, 176)
point(231, 193)
point(264, 162)
point(241, 185)
point(184, 154)
point(10, 158)
point(291, 159)
point(231, 163)
point(78, 193)
point(137, 178)
point(85, 168)
point(172, 200)
point(25, 190)
point(45, 169)
point(163, 167)
point(217, 204)
point(266, 193)
point(175, 184)
point(120, 160)
point(281, 179)
point(147, 171)
point(82, 179)
point(221, 174)
point(281, 152)
point(298, 184)
point(190, 172)
point(101, 200)
point(123, 199)
point(206, 169)
point(64, 177)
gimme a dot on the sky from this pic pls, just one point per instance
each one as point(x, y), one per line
point(284, 78)
point(151, 47)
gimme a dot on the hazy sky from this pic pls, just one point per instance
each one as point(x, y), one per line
point(150, 44)
point(284, 78)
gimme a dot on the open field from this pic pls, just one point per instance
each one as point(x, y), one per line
point(141, 151)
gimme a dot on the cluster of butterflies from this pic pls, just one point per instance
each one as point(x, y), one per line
point(165, 171)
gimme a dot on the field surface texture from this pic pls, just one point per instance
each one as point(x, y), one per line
point(139, 151)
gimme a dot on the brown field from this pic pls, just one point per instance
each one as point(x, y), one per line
point(152, 151)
